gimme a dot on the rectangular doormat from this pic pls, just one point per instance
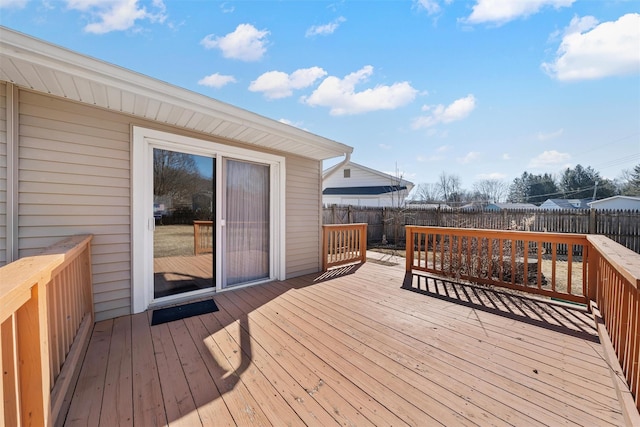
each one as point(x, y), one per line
point(170, 314)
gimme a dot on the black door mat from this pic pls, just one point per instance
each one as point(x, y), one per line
point(170, 314)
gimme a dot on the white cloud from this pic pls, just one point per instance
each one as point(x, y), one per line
point(216, 80)
point(9, 4)
point(431, 6)
point(502, 11)
point(469, 157)
point(457, 110)
point(506, 156)
point(341, 97)
point(295, 124)
point(591, 51)
point(549, 158)
point(118, 15)
point(492, 175)
point(545, 136)
point(323, 30)
point(245, 43)
point(227, 8)
point(278, 84)
point(443, 148)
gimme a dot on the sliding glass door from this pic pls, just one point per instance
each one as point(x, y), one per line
point(206, 216)
point(247, 256)
point(184, 200)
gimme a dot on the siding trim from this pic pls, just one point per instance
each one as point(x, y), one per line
point(13, 127)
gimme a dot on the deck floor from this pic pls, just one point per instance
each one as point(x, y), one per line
point(352, 348)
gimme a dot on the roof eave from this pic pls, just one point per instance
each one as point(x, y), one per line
point(49, 59)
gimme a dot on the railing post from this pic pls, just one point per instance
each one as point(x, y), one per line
point(592, 273)
point(409, 248)
point(33, 359)
point(363, 243)
point(325, 248)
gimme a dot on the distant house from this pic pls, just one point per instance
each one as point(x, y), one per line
point(617, 202)
point(566, 204)
point(509, 206)
point(495, 207)
point(353, 184)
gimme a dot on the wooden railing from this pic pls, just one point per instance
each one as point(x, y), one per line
point(588, 269)
point(617, 273)
point(46, 316)
point(344, 244)
point(550, 264)
point(202, 237)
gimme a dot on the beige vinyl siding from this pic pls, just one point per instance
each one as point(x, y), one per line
point(3, 174)
point(303, 216)
point(74, 178)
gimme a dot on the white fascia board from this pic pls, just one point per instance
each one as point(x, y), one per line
point(38, 52)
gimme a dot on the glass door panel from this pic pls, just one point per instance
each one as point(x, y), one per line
point(247, 217)
point(184, 192)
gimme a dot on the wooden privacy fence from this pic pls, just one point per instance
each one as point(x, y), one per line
point(622, 226)
point(202, 237)
point(595, 269)
point(46, 316)
point(344, 244)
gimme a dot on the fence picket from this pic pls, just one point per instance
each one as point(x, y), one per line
point(386, 224)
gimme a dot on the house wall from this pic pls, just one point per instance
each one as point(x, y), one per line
point(3, 174)
point(75, 177)
point(617, 203)
point(388, 200)
point(359, 178)
point(303, 204)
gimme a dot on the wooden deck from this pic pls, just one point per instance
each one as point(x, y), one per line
point(351, 347)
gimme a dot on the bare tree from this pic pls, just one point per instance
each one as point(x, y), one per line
point(427, 192)
point(491, 190)
point(449, 187)
point(175, 174)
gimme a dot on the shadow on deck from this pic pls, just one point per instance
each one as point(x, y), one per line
point(352, 347)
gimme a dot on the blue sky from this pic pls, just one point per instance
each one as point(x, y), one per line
point(483, 89)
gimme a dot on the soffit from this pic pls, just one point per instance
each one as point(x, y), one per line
point(46, 68)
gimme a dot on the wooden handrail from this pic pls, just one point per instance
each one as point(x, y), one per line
point(343, 244)
point(524, 261)
point(617, 272)
point(610, 276)
point(46, 316)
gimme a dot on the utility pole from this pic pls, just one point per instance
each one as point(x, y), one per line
point(595, 189)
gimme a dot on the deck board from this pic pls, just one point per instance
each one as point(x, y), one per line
point(352, 347)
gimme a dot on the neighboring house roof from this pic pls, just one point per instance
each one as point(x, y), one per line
point(510, 206)
point(566, 203)
point(390, 178)
point(363, 191)
point(630, 200)
point(35, 64)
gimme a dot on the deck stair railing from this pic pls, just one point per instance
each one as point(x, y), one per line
point(46, 317)
point(588, 269)
point(343, 244)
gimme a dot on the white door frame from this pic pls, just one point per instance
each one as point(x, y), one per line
point(143, 223)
